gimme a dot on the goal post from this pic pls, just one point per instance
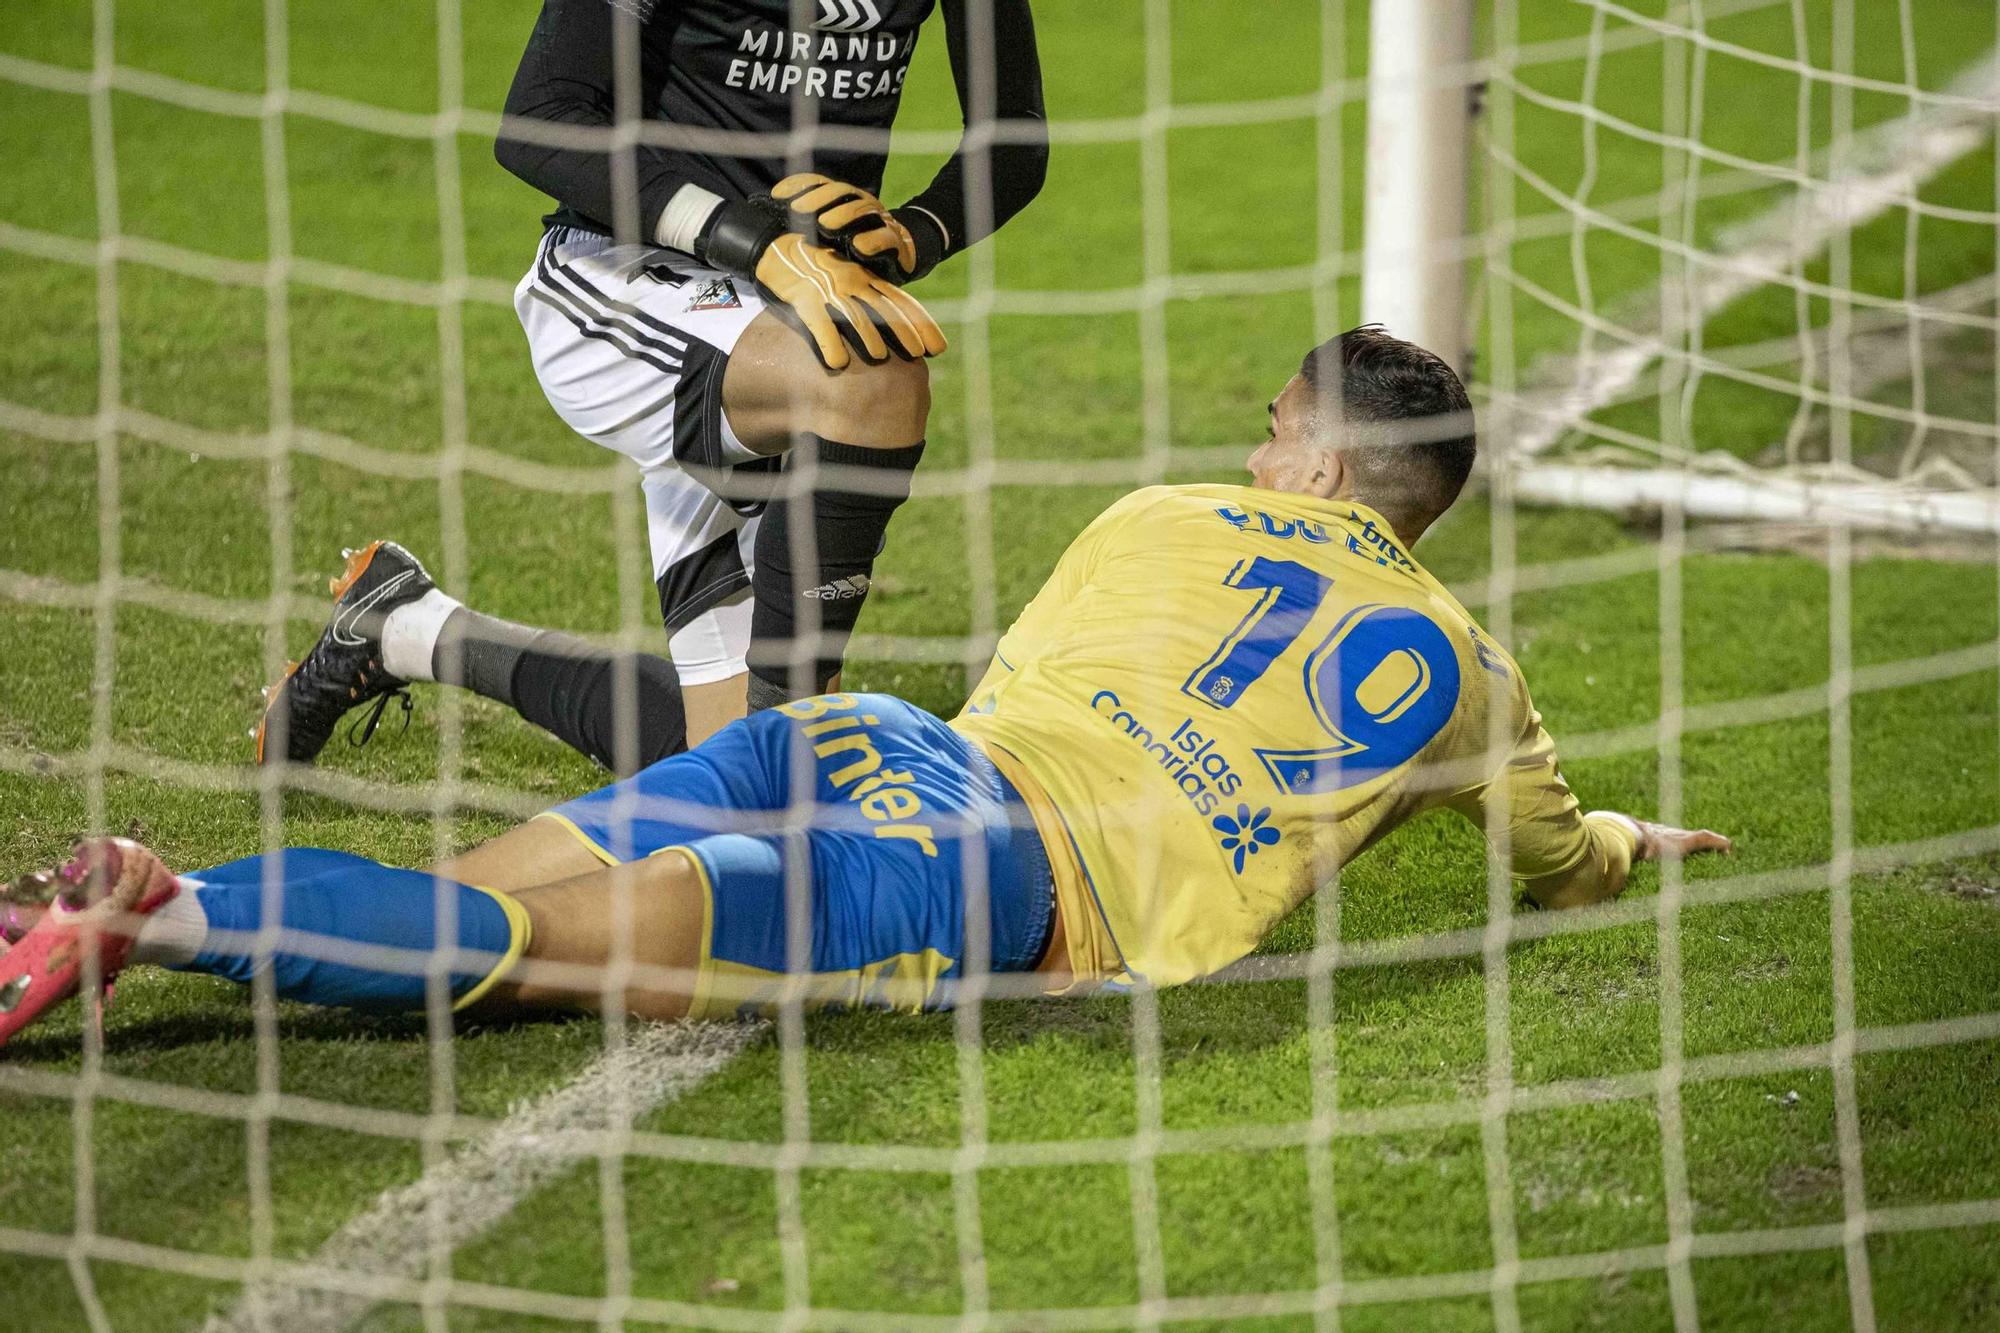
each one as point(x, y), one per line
point(1413, 276)
point(1887, 360)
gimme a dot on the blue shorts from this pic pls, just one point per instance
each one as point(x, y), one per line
point(897, 824)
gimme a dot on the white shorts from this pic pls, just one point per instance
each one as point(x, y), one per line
point(712, 646)
point(630, 343)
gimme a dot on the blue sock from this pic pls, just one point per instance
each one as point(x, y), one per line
point(335, 898)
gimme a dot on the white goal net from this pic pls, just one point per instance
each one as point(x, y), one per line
point(1794, 353)
point(1724, 260)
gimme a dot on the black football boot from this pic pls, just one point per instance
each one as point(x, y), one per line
point(344, 669)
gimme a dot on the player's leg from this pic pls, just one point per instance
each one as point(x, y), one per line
point(640, 359)
point(392, 626)
point(631, 345)
point(601, 327)
point(647, 919)
point(714, 647)
point(331, 928)
point(912, 828)
point(625, 710)
point(360, 934)
point(527, 856)
point(701, 549)
point(694, 380)
point(606, 879)
point(343, 930)
point(861, 435)
point(630, 351)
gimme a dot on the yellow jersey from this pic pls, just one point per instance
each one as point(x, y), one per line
point(1222, 694)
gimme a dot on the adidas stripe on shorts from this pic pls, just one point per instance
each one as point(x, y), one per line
point(630, 343)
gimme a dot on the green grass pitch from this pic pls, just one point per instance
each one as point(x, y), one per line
point(206, 530)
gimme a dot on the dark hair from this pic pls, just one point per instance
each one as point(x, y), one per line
point(1381, 380)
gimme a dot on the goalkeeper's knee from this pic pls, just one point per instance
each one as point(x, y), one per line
point(881, 405)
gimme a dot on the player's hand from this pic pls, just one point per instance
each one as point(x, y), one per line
point(851, 222)
point(1658, 841)
point(836, 303)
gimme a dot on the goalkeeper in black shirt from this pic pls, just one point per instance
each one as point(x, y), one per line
point(724, 291)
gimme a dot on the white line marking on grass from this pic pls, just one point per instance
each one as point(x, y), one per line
point(1893, 161)
point(482, 1183)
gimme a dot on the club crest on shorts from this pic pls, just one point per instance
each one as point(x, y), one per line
point(716, 294)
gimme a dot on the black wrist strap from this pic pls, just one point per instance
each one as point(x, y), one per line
point(933, 247)
point(739, 232)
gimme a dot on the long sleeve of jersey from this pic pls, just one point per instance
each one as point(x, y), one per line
point(998, 71)
point(1561, 856)
point(568, 77)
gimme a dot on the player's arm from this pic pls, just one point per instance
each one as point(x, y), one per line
point(567, 76)
point(998, 72)
point(1562, 856)
point(996, 65)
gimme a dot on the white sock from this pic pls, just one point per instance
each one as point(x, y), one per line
point(175, 931)
point(410, 635)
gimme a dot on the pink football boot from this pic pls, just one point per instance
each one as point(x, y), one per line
point(50, 920)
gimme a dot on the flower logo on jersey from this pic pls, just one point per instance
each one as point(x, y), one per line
point(847, 16)
point(1245, 834)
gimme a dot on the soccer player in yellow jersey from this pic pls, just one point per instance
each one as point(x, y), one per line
point(1221, 695)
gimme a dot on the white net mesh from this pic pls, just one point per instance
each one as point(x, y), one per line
point(1754, 282)
point(1874, 153)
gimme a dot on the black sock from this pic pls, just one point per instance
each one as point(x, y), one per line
point(759, 694)
point(848, 520)
point(568, 687)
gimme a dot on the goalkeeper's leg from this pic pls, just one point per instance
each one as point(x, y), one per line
point(392, 625)
point(624, 710)
point(861, 432)
point(689, 375)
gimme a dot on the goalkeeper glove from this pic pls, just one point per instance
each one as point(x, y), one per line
point(852, 223)
point(832, 301)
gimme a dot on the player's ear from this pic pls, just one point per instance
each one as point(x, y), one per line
point(1329, 470)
